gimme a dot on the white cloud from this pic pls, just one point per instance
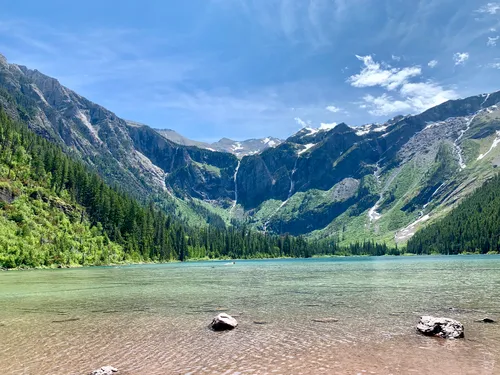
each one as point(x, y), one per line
point(405, 97)
point(494, 65)
point(384, 105)
point(491, 8)
point(327, 126)
point(374, 75)
point(333, 109)
point(301, 122)
point(492, 42)
point(396, 58)
point(493, 29)
point(424, 95)
point(460, 58)
point(432, 63)
point(415, 98)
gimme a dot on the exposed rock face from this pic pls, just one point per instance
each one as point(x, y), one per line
point(441, 327)
point(401, 170)
point(223, 322)
point(105, 370)
point(6, 195)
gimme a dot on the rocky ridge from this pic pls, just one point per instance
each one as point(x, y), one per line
point(379, 181)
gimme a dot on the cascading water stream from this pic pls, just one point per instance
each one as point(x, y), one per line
point(235, 178)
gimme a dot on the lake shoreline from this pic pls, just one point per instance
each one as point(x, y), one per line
point(74, 266)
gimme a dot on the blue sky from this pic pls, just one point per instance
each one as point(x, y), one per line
point(253, 68)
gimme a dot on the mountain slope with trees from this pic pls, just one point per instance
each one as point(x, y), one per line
point(473, 226)
point(55, 211)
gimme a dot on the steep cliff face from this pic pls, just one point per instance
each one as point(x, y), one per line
point(190, 171)
point(378, 181)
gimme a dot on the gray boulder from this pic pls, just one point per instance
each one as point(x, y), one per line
point(223, 322)
point(441, 327)
point(105, 370)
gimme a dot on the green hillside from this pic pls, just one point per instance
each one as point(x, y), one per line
point(473, 226)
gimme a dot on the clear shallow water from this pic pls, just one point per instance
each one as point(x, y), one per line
point(153, 319)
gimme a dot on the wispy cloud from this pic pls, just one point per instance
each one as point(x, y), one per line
point(432, 63)
point(301, 122)
point(491, 8)
point(311, 23)
point(94, 56)
point(333, 109)
point(492, 41)
point(460, 58)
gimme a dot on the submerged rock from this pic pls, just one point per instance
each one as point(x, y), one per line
point(223, 322)
point(105, 370)
point(441, 327)
point(486, 320)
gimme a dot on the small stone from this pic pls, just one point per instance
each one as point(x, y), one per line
point(259, 322)
point(325, 320)
point(223, 322)
point(441, 327)
point(105, 370)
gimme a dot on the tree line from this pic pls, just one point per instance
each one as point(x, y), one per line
point(141, 230)
point(473, 226)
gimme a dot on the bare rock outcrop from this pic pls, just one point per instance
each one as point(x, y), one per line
point(441, 327)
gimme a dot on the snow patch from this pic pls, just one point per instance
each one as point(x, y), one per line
point(237, 146)
point(307, 147)
point(311, 131)
point(363, 130)
point(380, 129)
point(457, 146)
point(433, 124)
point(410, 230)
point(270, 142)
point(495, 143)
point(326, 126)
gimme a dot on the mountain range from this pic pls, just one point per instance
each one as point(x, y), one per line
point(378, 181)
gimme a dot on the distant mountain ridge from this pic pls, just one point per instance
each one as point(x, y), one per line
point(379, 181)
point(238, 148)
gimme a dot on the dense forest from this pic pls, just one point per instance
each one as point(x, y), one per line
point(55, 211)
point(473, 226)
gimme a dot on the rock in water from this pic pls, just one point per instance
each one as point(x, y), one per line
point(441, 327)
point(105, 370)
point(486, 320)
point(223, 322)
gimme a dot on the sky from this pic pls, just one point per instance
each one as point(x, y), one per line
point(255, 68)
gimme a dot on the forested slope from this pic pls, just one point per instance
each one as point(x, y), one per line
point(473, 226)
point(54, 211)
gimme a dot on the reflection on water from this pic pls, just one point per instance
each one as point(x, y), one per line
point(319, 316)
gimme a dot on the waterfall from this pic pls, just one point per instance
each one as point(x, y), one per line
point(235, 178)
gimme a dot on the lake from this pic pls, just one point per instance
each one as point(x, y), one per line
point(153, 319)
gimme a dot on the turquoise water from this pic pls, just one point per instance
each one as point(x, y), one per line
point(153, 318)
